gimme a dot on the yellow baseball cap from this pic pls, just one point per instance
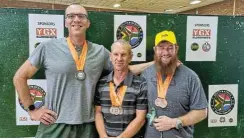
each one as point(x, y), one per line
point(165, 36)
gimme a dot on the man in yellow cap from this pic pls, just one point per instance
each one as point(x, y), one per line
point(176, 97)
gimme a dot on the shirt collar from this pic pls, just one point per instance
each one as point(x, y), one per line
point(127, 81)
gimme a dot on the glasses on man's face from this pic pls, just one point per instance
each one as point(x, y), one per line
point(80, 16)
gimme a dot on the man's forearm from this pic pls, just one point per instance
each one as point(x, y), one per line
point(138, 68)
point(23, 91)
point(25, 72)
point(100, 125)
point(133, 128)
point(193, 117)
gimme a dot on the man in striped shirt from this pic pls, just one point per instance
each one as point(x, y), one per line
point(121, 97)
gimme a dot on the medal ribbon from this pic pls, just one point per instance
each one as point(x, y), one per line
point(79, 61)
point(117, 99)
point(162, 87)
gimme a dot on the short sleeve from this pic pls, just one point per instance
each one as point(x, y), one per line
point(197, 95)
point(37, 58)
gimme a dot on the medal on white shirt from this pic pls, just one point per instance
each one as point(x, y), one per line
point(116, 99)
point(79, 61)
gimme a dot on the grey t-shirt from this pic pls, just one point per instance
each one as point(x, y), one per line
point(70, 98)
point(184, 94)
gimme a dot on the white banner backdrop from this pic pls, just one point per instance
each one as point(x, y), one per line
point(201, 39)
point(37, 89)
point(223, 102)
point(132, 29)
point(43, 27)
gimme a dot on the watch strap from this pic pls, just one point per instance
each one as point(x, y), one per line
point(179, 124)
point(30, 108)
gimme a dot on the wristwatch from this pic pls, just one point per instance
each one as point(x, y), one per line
point(30, 108)
point(179, 124)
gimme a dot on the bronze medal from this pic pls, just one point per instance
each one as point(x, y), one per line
point(160, 102)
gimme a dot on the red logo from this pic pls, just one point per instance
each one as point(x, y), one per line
point(22, 118)
point(202, 32)
point(46, 32)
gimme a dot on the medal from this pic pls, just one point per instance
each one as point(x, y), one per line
point(79, 61)
point(159, 102)
point(116, 110)
point(80, 75)
point(116, 99)
point(162, 88)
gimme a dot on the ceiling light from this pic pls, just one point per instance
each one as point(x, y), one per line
point(116, 5)
point(168, 10)
point(195, 1)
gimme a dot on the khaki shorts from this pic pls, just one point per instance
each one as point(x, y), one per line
point(86, 130)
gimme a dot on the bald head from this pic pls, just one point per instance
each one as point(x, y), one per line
point(74, 8)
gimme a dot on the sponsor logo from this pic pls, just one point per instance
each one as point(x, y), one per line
point(37, 95)
point(206, 47)
point(22, 118)
point(164, 35)
point(131, 32)
point(213, 120)
point(222, 102)
point(222, 119)
point(201, 33)
point(46, 32)
point(194, 46)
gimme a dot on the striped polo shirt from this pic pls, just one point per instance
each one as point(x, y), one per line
point(135, 99)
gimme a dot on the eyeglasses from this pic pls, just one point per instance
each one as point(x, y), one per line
point(80, 16)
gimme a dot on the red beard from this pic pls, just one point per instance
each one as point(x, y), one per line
point(166, 68)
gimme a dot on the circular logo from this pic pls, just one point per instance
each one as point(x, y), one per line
point(131, 32)
point(37, 95)
point(206, 47)
point(194, 46)
point(222, 102)
point(222, 119)
point(139, 54)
